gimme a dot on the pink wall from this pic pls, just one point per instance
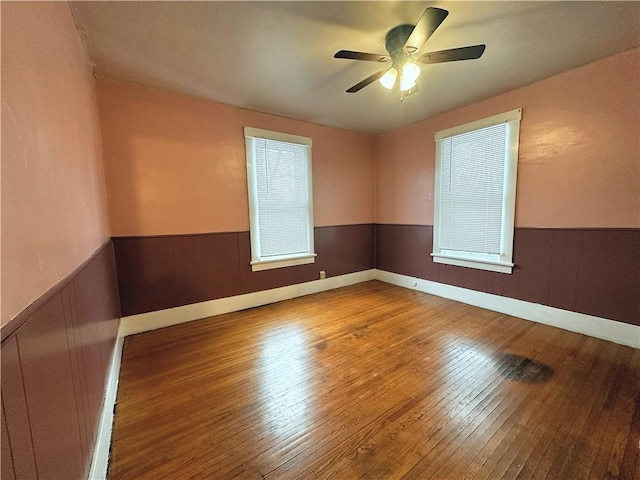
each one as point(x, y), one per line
point(176, 164)
point(53, 201)
point(579, 161)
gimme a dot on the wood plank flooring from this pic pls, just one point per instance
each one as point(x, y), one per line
point(374, 381)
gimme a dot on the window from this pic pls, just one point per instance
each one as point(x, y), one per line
point(475, 193)
point(280, 199)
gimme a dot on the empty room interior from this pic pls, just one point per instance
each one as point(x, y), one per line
point(320, 240)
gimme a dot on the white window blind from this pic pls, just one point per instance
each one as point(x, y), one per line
point(474, 203)
point(472, 190)
point(283, 207)
point(280, 199)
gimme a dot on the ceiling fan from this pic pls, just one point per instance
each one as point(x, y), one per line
point(403, 43)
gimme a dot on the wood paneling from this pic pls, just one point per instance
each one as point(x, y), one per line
point(587, 271)
point(155, 273)
point(149, 273)
point(211, 256)
point(375, 381)
point(266, 279)
point(6, 458)
point(609, 274)
point(76, 359)
point(49, 390)
point(344, 249)
point(401, 249)
point(15, 409)
point(54, 368)
point(591, 271)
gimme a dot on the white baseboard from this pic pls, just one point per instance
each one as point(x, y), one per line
point(618, 332)
point(173, 316)
point(100, 460)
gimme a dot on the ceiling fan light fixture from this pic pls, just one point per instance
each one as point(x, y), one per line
point(403, 43)
point(406, 84)
point(410, 72)
point(388, 80)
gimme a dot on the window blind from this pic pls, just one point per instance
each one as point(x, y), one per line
point(282, 197)
point(472, 190)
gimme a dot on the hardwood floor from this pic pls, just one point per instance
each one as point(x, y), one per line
point(374, 381)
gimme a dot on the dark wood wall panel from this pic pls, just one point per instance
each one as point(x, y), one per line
point(163, 272)
point(48, 386)
point(400, 248)
point(256, 281)
point(207, 266)
point(15, 409)
point(345, 249)
point(609, 274)
point(54, 368)
point(155, 273)
point(6, 458)
point(77, 367)
point(591, 271)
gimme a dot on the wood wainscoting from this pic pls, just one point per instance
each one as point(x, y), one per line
point(160, 272)
point(56, 357)
point(374, 381)
point(594, 271)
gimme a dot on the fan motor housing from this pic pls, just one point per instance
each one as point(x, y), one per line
point(396, 38)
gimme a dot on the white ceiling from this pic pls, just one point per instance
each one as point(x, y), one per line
point(277, 57)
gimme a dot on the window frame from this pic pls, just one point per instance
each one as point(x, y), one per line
point(259, 263)
point(503, 264)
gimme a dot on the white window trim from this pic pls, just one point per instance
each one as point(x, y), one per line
point(259, 263)
point(279, 262)
point(250, 132)
point(504, 263)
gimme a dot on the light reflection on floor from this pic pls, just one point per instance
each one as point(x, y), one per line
point(469, 354)
point(284, 380)
point(469, 373)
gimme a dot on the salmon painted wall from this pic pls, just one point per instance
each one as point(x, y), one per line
point(53, 199)
point(579, 159)
point(176, 164)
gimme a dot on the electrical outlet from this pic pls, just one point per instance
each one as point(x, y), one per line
point(323, 274)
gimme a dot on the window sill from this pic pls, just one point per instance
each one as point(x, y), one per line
point(492, 266)
point(280, 262)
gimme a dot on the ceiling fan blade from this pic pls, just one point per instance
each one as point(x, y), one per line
point(369, 57)
point(430, 20)
point(370, 79)
point(453, 54)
